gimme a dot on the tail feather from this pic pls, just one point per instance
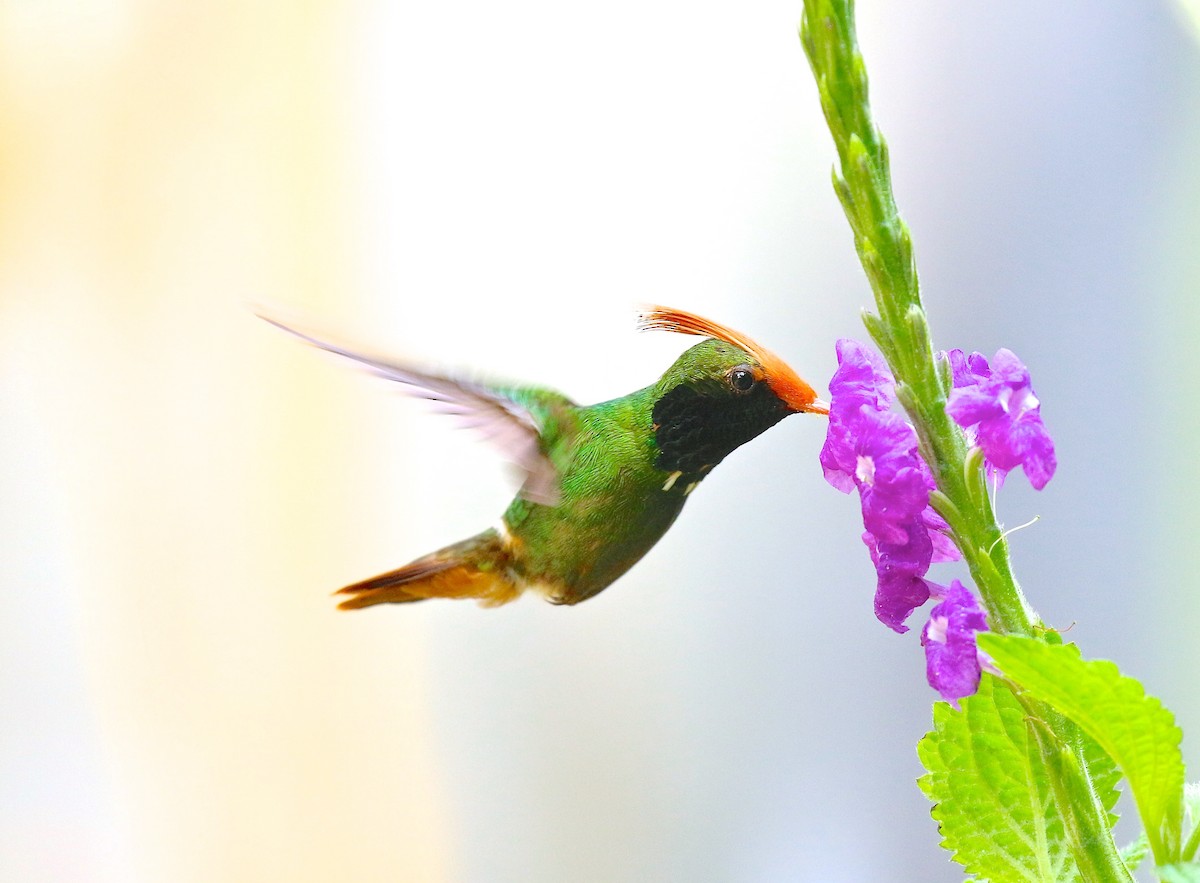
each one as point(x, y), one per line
point(475, 568)
point(389, 588)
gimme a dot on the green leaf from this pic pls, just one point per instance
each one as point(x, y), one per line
point(1135, 852)
point(994, 803)
point(1105, 776)
point(1188, 872)
point(1132, 728)
point(1191, 798)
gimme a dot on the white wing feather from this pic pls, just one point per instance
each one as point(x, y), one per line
point(507, 424)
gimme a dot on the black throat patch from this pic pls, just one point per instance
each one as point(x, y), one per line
point(696, 429)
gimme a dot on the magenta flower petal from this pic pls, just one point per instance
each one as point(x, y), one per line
point(900, 567)
point(871, 449)
point(892, 479)
point(970, 405)
point(862, 380)
point(1035, 451)
point(1004, 413)
point(838, 459)
point(951, 656)
point(967, 370)
point(939, 533)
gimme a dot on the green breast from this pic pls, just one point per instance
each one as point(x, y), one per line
point(613, 508)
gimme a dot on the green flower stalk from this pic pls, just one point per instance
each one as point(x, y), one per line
point(1024, 774)
point(863, 183)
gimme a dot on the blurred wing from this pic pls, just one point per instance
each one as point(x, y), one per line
point(513, 419)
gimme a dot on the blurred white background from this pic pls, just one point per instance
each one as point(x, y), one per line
point(496, 187)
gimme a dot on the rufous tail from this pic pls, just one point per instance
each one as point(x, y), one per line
point(478, 567)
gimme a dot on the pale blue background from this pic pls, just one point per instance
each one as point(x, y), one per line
point(516, 178)
point(731, 710)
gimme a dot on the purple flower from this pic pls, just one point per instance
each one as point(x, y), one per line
point(873, 450)
point(892, 479)
point(900, 588)
point(869, 448)
point(939, 532)
point(967, 370)
point(862, 380)
point(999, 405)
point(951, 657)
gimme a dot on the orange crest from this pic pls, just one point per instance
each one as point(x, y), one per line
point(783, 381)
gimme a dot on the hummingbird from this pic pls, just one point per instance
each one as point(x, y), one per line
point(602, 483)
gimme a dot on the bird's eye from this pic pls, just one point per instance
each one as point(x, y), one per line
point(741, 379)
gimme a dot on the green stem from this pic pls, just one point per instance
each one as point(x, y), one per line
point(1092, 846)
point(863, 183)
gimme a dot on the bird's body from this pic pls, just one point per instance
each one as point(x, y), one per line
point(605, 481)
point(617, 507)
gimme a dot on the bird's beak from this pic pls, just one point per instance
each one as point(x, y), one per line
point(817, 406)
